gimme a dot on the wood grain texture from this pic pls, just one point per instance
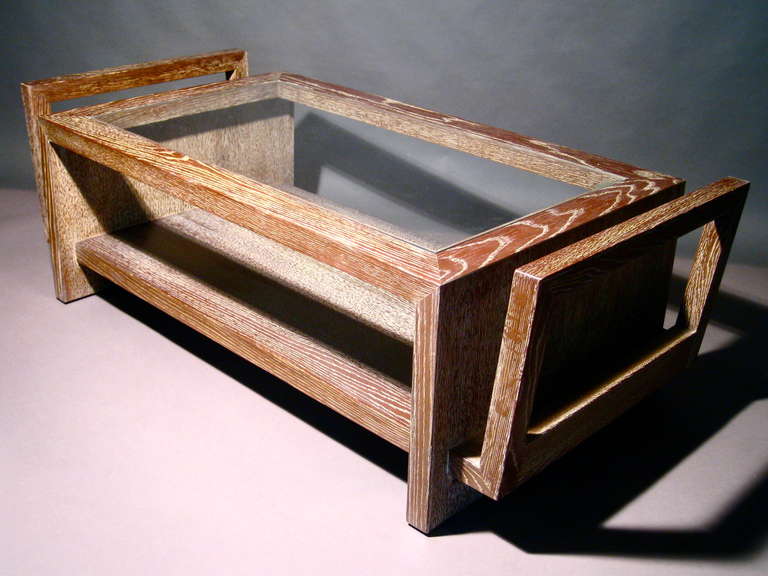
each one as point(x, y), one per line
point(709, 264)
point(437, 409)
point(81, 209)
point(172, 264)
point(552, 228)
point(627, 185)
point(512, 450)
point(161, 106)
point(254, 139)
point(631, 191)
point(245, 254)
point(482, 331)
point(324, 234)
point(670, 220)
point(616, 186)
point(552, 160)
point(36, 104)
point(88, 199)
point(520, 363)
point(84, 200)
point(56, 89)
point(621, 308)
point(39, 95)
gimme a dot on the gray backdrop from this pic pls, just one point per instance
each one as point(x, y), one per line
point(679, 87)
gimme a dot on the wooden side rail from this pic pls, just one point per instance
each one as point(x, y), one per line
point(512, 448)
point(38, 96)
point(80, 199)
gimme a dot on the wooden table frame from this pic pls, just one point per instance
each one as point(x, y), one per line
point(465, 424)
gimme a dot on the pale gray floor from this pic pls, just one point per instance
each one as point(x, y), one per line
point(130, 445)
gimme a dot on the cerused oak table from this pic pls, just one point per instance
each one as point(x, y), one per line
point(485, 351)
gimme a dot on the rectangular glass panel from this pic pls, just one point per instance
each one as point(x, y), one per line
point(418, 191)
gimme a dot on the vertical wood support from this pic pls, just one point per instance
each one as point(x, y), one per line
point(706, 273)
point(80, 199)
point(433, 494)
point(84, 199)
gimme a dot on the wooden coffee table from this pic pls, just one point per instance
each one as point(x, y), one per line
point(486, 345)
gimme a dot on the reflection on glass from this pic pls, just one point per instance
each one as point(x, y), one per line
point(419, 191)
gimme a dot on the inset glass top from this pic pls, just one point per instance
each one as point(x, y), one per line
point(418, 191)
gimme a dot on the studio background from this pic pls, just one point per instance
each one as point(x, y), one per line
point(679, 87)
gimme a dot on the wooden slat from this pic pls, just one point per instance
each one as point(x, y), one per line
point(562, 431)
point(319, 282)
point(175, 266)
point(520, 361)
point(609, 401)
point(134, 75)
point(619, 190)
point(438, 404)
point(35, 105)
point(558, 162)
point(670, 220)
point(594, 401)
point(551, 228)
point(161, 106)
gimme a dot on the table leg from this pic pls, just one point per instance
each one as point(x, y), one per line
point(433, 493)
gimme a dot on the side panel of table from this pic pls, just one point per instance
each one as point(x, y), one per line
point(517, 442)
point(81, 199)
point(456, 354)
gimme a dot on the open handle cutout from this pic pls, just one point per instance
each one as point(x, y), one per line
point(512, 450)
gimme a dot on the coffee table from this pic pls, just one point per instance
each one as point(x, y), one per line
point(484, 341)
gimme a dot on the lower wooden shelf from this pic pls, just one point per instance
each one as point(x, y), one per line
point(341, 341)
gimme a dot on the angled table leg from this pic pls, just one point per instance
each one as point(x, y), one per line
point(514, 447)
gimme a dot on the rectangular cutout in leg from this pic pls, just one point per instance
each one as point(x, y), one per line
point(581, 346)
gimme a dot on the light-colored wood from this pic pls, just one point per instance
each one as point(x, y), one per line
point(36, 104)
point(437, 406)
point(618, 190)
point(94, 200)
point(554, 227)
point(174, 265)
point(232, 62)
point(161, 106)
point(329, 287)
point(86, 199)
point(552, 160)
point(620, 308)
point(254, 139)
point(366, 249)
point(324, 234)
point(449, 354)
point(672, 219)
point(82, 208)
point(512, 450)
point(618, 184)
point(39, 95)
